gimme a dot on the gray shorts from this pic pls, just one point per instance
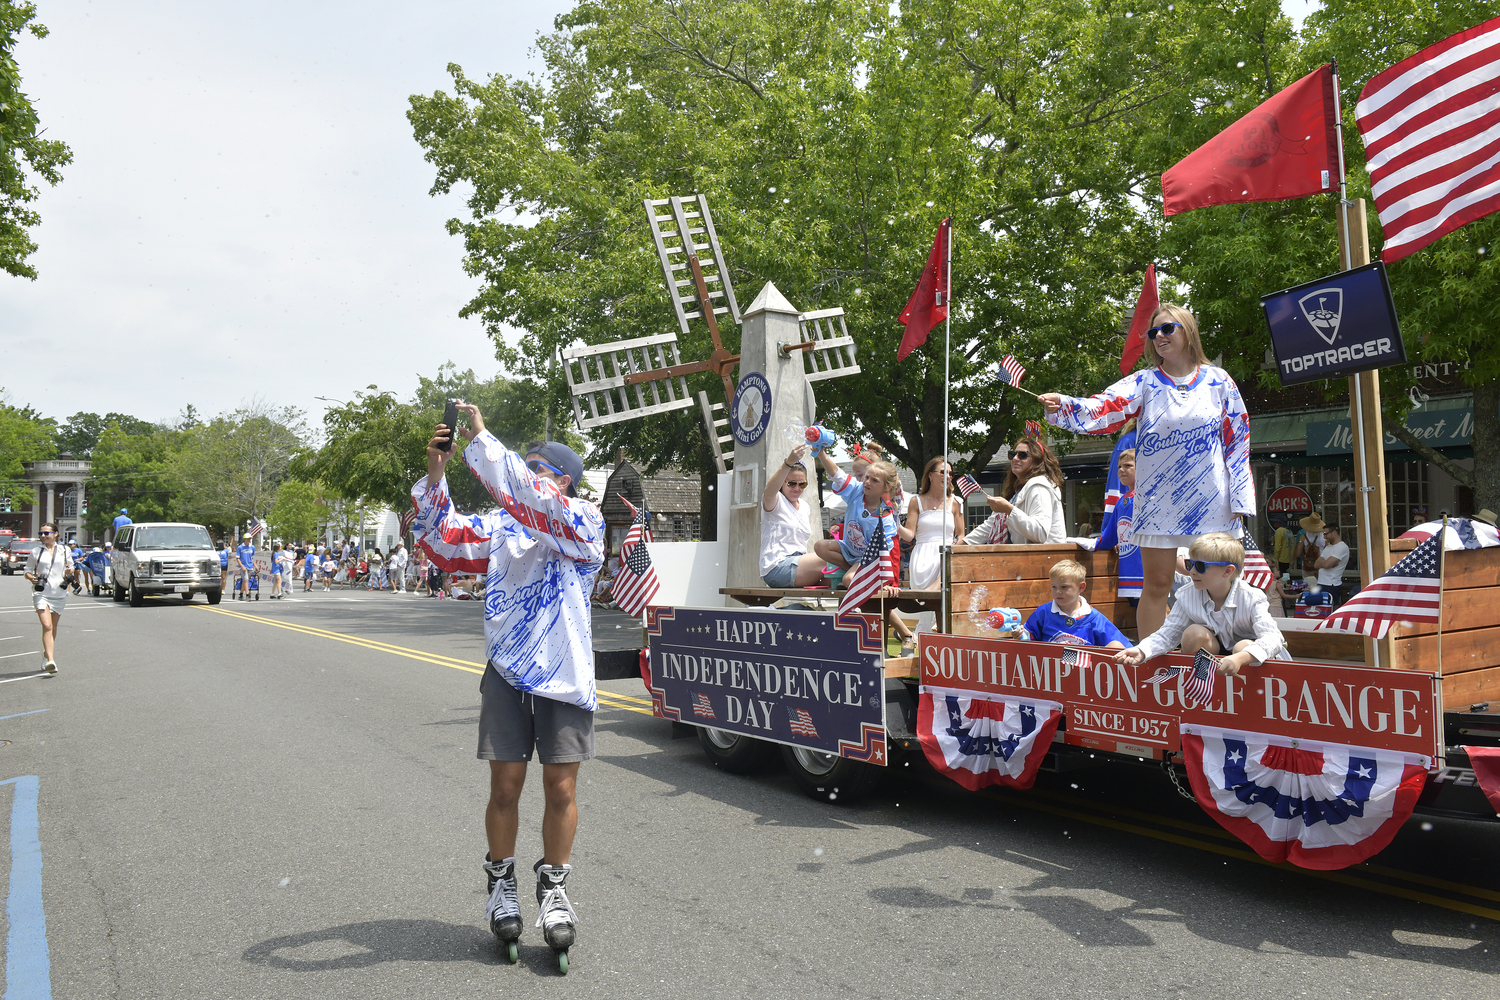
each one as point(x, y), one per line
point(512, 722)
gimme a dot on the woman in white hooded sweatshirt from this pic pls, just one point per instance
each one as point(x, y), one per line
point(1033, 514)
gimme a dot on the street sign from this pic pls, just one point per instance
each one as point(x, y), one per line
point(1335, 327)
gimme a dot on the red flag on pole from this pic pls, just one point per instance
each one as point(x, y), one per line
point(1145, 308)
point(928, 305)
point(1285, 148)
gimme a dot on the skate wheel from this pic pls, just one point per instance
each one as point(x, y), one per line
point(512, 953)
point(562, 962)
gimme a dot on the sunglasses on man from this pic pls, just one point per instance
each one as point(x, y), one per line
point(537, 465)
point(1165, 330)
point(1200, 566)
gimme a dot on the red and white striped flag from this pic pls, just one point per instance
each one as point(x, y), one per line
point(636, 583)
point(871, 574)
point(1409, 591)
point(1200, 681)
point(408, 519)
point(1011, 370)
point(1431, 126)
point(256, 527)
point(966, 486)
point(1257, 572)
point(1076, 658)
point(703, 707)
point(802, 723)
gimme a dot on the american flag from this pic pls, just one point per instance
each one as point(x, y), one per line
point(256, 527)
point(802, 723)
point(1431, 139)
point(1200, 682)
point(1410, 591)
point(1034, 429)
point(1075, 657)
point(1165, 674)
point(407, 520)
point(636, 582)
point(870, 576)
point(966, 486)
point(1257, 572)
point(1011, 371)
point(702, 706)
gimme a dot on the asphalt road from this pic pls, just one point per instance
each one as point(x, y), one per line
point(280, 799)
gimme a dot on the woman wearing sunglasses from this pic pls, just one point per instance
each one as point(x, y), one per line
point(49, 569)
point(1192, 449)
point(786, 527)
point(1034, 513)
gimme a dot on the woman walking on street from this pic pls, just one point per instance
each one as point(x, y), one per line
point(49, 570)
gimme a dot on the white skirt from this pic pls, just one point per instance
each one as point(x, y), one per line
point(55, 603)
point(1163, 541)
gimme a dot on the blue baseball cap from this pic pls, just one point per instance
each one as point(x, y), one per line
point(562, 458)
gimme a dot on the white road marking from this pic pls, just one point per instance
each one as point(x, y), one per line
point(28, 677)
point(8, 656)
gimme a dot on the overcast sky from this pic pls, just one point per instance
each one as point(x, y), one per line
point(247, 212)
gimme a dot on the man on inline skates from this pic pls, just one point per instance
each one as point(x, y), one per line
point(539, 555)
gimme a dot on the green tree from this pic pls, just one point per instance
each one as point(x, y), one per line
point(376, 446)
point(832, 138)
point(229, 469)
point(133, 469)
point(25, 156)
point(299, 509)
point(25, 436)
point(81, 433)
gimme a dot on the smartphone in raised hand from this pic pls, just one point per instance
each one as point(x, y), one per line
point(450, 421)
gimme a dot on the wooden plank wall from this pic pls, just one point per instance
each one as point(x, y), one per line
point(1015, 576)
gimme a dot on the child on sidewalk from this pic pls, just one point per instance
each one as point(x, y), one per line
point(1069, 619)
point(1220, 613)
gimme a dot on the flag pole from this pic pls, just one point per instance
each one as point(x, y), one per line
point(1442, 558)
point(1364, 392)
point(947, 550)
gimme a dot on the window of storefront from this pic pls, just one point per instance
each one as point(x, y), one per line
point(1336, 497)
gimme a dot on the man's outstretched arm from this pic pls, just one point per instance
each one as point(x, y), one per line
point(456, 544)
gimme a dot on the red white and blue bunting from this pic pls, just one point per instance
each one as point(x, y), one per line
point(1320, 806)
point(980, 741)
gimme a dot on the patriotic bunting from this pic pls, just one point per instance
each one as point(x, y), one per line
point(978, 742)
point(635, 583)
point(1409, 591)
point(1318, 807)
point(1463, 533)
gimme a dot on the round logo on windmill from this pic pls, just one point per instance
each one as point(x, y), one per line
point(752, 409)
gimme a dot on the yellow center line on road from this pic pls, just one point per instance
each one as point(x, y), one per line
point(1242, 855)
point(609, 698)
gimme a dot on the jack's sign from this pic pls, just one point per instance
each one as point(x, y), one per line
point(796, 677)
point(1335, 326)
point(1109, 705)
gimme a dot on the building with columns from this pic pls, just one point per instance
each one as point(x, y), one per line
point(60, 498)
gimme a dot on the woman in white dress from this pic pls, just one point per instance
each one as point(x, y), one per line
point(49, 569)
point(933, 517)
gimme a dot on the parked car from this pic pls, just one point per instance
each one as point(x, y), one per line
point(165, 558)
point(13, 560)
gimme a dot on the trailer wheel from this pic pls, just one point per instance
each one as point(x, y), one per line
point(827, 778)
point(735, 753)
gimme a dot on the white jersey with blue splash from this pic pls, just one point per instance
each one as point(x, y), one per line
point(540, 554)
point(1192, 452)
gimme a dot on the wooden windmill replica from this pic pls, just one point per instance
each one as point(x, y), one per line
point(637, 378)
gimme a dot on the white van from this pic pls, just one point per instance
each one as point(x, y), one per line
point(165, 558)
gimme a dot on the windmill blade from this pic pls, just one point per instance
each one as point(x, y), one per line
point(597, 379)
point(686, 228)
point(832, 351)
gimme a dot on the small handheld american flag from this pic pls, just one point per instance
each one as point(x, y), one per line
point(1076, 658)
point(1165, 674)
point(1011, 371)
point(1034, 430)
point(636, 583)
point(1200, 681)
point(966, 486)
point(1257, 572)
point(870, 576)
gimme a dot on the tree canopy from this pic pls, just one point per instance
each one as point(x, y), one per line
point(25, 157)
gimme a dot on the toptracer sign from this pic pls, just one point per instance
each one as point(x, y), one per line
point(1336, 326)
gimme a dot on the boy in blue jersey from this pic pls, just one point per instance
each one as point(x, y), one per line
point(309, 569)
point(1069, 619)
point(246, 554)
point(1116, 531)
